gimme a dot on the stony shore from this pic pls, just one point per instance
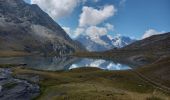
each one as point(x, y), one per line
point(17, 89)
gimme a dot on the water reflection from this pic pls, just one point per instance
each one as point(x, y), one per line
point(103, 64)
point(63, 63)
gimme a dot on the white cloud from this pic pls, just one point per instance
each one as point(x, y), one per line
point(67, 30)
point(94, 31)
point(57, 8)
point(79, 31)
point(109, 26)
point(91, 31)
point(74, 34)
point(91, 16)
point(150, 32)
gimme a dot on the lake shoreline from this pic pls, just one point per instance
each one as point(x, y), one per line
point(91, 82)
point(91, 77)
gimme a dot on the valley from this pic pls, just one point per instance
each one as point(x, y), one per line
point(147, 80)
point(40, 61)
point(90, 83)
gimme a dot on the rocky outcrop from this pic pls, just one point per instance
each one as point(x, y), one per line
point(16, 89)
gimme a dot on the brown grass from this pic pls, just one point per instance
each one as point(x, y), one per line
point(158, 71)
point(92, 84)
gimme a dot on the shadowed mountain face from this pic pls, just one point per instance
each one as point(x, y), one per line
point(150, 49)
point(143, 51)
point(157, 43)
point(27, 28)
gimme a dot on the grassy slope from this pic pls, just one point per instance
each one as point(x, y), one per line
point(92, 84)
point(158, 71)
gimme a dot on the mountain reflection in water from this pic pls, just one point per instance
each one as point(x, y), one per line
point(63, 63)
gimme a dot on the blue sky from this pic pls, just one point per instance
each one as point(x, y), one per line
point(132, 18)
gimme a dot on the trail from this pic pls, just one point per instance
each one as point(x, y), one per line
point(151, 82)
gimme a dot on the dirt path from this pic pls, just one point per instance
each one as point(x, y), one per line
point(153, 83)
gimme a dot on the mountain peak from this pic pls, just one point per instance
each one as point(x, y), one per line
point(104, 42)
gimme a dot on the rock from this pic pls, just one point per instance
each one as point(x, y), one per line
point(16, 89)
point(0, 88)
point(31, 78)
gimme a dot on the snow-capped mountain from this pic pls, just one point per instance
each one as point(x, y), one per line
point(104, 42)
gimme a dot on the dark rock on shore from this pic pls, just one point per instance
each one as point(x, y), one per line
point(16, 89)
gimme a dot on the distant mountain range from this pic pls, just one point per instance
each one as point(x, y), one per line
point(26, 28)
point(143, 51)
point(156, 43)
point(104, 42)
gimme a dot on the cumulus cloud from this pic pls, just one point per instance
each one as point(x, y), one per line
point(109, 26)
point(57, 8)
point(92, 17)
point(91, 31)
point(79, 31)
point(75, 33)
point(94, 31)
point(150, 32)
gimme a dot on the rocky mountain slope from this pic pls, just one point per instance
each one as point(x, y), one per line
point(144, 51)
point(157, 45)
point(104, 42)
point(26, 28)
point(154, 43)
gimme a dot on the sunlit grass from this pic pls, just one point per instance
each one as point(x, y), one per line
point(91, 83)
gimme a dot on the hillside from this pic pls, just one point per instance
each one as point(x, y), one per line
point(26, 28)
point(154, 43)
point(150, 57)
point(146, 50)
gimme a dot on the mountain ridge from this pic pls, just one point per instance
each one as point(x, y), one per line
point(104, 42)
point(32, 30)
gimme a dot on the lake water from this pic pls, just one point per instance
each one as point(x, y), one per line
point(64, 63)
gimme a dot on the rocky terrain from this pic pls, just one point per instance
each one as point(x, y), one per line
point(26, 28)
point(16, 89)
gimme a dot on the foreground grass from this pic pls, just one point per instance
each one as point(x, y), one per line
point(97, 84)
point(92, 84)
